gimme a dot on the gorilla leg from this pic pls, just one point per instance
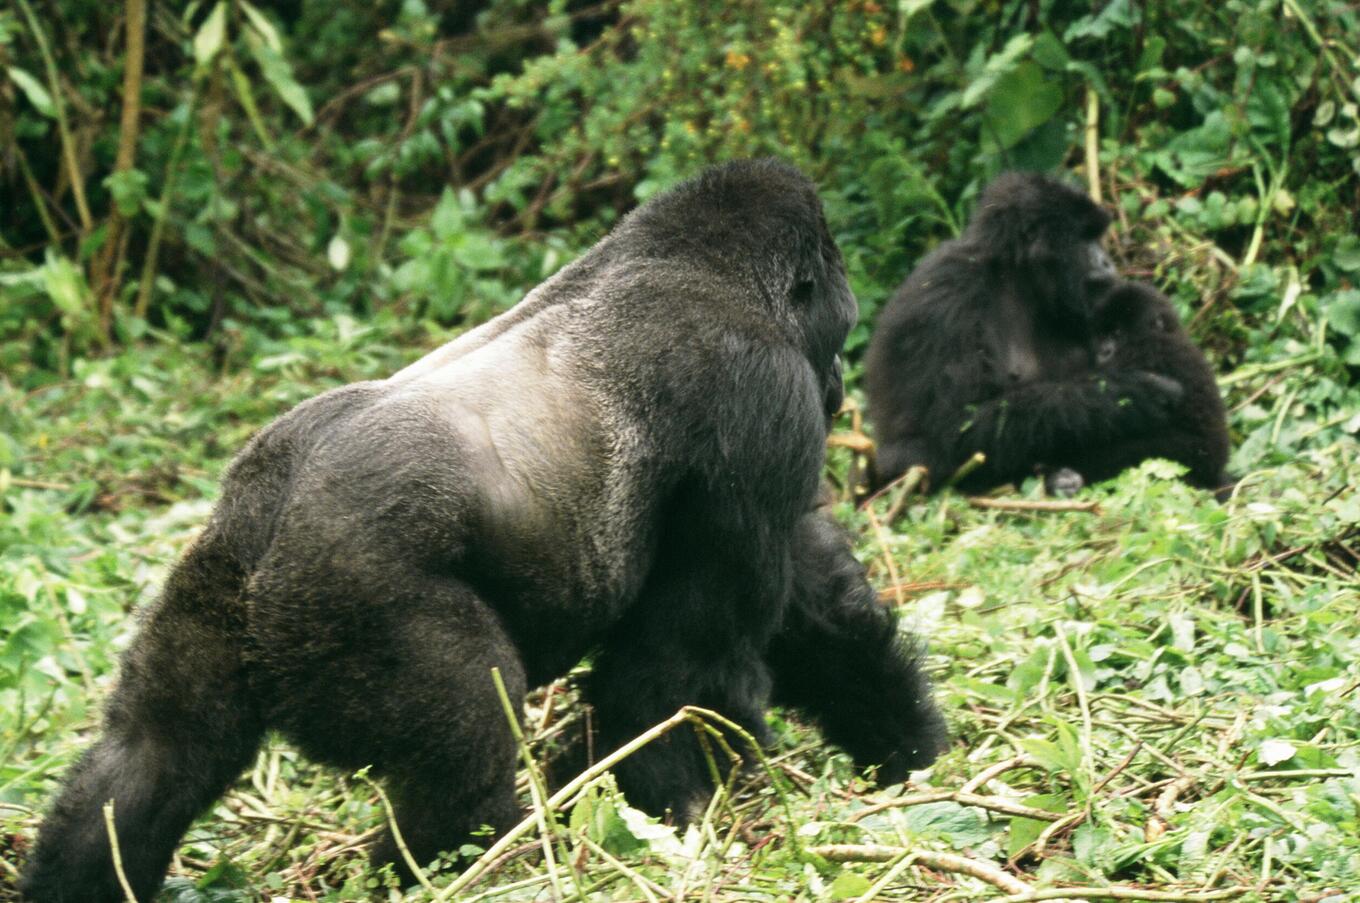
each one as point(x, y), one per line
point(1201, 452)
point(459, 778)
point(895, 458)
point(1042, 421)
point(636, 688)
point(694, 638)
point(840, 658)
point(399, 678)
point(178, 729)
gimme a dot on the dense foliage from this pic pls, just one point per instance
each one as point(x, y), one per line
point(210, 211)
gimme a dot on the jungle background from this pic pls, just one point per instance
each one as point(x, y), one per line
point(210, 211)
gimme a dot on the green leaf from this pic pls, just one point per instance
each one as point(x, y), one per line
point(479, 252)
point(989, 691)
point(280, 77)
point(1182, 631)
point(34, 91)
point(1027, 674)
point(582, 812)
point(211, 34)
point(1021, 101)
point(262, 26)
point(1050, 53)
point(65, 286)
point(1275, 751)
point(128, 189)
point(1194, 155)
point(1116, 14)
point(1343, 312)
point(597, 816)
point(447, 219)
point(1022, 833)
point(246, 94)
point(847, 886)
point(1085, 673)
point(960, 825)
point(1268, 112)
point(1091, 845)
point(1055, 757)
point(997, 66)
point(1347, 254)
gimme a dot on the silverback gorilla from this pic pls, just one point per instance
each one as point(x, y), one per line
point(624, 465)
point(987, 347)
point(1136, 327)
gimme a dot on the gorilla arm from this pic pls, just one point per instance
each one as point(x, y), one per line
point(1038, 421)
point(975, 385)
point(840, 659)
point(720, 578)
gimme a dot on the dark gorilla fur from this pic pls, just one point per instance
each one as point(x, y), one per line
point(840, 658)
point(987, 347)
point(622, 465)
point(1137, 329)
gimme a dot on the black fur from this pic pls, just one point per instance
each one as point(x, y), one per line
point(1137, 329)
point(987, 347)
point(840, 658)
point(621, 465)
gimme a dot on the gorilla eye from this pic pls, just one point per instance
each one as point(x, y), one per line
point(802, 292)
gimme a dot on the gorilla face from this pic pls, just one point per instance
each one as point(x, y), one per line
point(825, 322)
point(1048, 233)
point(756, 224)
point(829, 320)
point(1131, 314)
point(835, 390)
point(1100, 272)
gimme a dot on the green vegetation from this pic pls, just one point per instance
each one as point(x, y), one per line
point(1151, 691)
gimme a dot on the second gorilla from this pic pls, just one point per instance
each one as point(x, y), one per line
point(625, 465)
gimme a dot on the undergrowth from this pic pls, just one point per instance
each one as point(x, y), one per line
point(1150, 690)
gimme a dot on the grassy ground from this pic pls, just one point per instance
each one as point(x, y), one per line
point(1152, 696)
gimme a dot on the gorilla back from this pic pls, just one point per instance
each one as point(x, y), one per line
point(617, 465)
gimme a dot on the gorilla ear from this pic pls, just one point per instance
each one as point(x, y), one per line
point(802, 293)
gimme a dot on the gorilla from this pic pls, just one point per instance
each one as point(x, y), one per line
point(988, 346)
point(1137, 328)
point(622, 466)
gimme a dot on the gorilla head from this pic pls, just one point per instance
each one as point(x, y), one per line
point(752, 222)
point(1135, 324)
point(1049, 233)
point(623, 465)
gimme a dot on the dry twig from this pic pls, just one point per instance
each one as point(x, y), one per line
point(1042, 505)
point(991, 803)
point(945, 862)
